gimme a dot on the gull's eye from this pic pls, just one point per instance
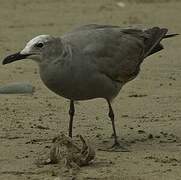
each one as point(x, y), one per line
point(39, 45)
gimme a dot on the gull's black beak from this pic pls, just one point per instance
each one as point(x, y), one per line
point(14, 57)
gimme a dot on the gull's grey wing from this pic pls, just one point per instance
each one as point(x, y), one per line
point(116, 52)
point(116, 55)
point(120, 52)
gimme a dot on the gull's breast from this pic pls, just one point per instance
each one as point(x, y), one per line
point(78, 83)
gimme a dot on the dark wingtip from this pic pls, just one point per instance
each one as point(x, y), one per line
point(171, 35)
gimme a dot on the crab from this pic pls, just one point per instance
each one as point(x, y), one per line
point(64, 149)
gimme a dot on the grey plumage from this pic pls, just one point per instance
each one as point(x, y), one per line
point(92, 61)
point(98, 60)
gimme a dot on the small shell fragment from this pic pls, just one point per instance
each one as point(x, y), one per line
point(121, 4)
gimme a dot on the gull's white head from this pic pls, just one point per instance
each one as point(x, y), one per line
point(40, 48)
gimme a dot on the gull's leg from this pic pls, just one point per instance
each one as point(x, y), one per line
point(111, 116)
point(71, 114)
point(116, 146)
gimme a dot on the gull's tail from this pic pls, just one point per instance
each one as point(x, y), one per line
point(170, 35)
